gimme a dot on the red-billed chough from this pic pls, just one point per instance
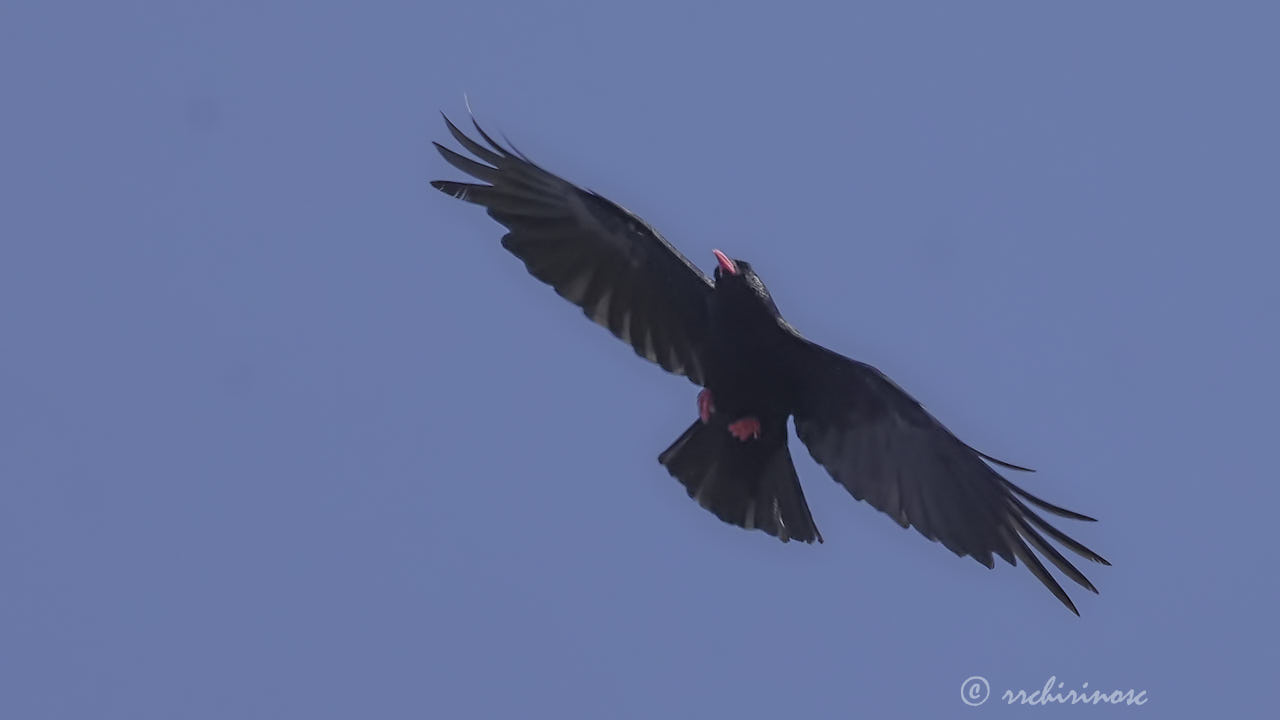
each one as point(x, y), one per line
point(727, 336)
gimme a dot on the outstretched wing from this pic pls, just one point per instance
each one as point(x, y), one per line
point(885, 448)
point(594, 253)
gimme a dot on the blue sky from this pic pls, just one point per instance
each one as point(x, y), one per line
point(285, 433)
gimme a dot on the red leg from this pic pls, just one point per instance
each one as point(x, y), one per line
point(705, 407)
point(745, 428)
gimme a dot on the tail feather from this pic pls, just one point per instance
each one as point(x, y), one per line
point(751, 484)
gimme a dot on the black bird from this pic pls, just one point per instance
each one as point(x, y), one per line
point(728, 337)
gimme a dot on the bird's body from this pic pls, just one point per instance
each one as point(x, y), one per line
point(727, 335)
point(746, 369)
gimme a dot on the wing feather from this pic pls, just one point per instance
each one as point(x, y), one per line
point(594, 253)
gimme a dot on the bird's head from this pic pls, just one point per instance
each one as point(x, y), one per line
point(736, 277)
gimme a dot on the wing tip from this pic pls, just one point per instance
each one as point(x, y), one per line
point(998, 461)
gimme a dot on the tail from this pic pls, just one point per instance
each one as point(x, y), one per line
point(751, 484)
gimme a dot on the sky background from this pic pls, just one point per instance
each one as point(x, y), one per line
point(284, 432)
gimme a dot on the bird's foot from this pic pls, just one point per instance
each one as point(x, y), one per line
point(745, 429)
point(705, 408)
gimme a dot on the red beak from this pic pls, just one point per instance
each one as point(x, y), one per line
point(726, 264)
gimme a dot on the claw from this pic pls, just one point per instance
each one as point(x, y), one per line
point(705, 408)
point(745, 429)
